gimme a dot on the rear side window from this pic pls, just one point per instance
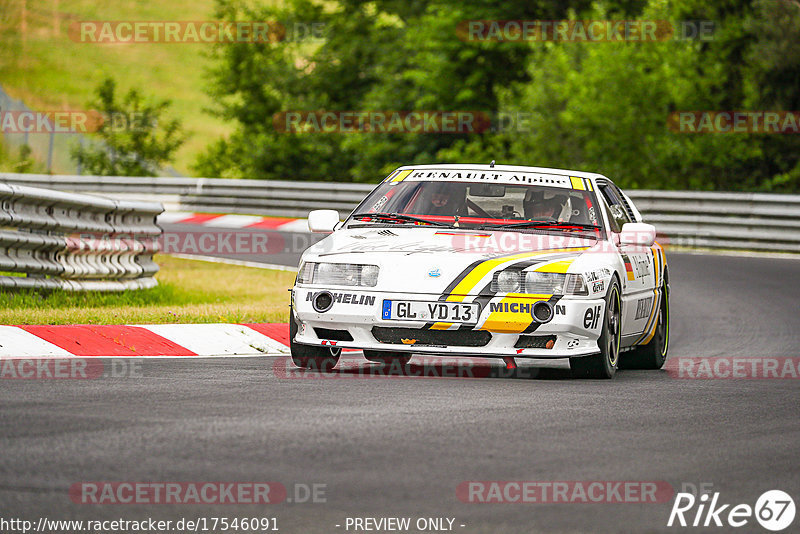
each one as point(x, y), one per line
point(625, 202)
point(617, 209)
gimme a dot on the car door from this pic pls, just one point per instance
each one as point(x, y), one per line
point(638, 295)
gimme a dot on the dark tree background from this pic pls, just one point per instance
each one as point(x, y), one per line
point(592, 106)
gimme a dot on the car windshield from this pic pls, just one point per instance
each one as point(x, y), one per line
point(480, 205)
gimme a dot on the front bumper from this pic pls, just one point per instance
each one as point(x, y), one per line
point(355, 321)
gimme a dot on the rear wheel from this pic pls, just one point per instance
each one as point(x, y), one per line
point(387, 358)
point(603, 365)
point(308, 357)
point(654, 354)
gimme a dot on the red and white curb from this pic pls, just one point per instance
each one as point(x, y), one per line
point(146, 341)
point(281, 224)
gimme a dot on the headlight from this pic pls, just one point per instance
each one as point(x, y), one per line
point(338, 274)
point(544, 283)
point(508, 282)
point(555, 284)
point(536, 283)
point(305, 273)
point(369, 275)
point(575, 285)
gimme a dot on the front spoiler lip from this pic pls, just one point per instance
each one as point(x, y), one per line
point(536, 354)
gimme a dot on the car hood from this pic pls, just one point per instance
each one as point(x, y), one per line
point(430, 260)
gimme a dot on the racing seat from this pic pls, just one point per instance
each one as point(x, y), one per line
point(580, 213)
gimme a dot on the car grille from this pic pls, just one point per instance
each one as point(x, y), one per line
point(451, 338)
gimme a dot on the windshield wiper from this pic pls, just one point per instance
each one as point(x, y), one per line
point(398, 217)
point(534, 224)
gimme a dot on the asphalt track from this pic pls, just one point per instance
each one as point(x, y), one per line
point(399, 447)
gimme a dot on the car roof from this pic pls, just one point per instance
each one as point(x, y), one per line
point(508, 168)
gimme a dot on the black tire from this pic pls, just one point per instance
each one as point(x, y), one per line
point(308, 357)
point(387, 358)
point(604, 365)
point(654, 354)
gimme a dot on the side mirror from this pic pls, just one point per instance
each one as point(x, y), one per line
point(323, 221)
point(637, 234)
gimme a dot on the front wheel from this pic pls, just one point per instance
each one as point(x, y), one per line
point(308, 357)
point(654, 353)
point(603, 365)
point(387, 358)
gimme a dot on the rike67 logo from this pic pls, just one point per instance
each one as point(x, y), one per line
point(774, 510)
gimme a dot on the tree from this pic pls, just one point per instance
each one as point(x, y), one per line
point(604, 107)
point(773, 75)
point(134, 140)
point(594, 106)
point(379, 55)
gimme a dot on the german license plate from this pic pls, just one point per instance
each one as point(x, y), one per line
point(448, 312)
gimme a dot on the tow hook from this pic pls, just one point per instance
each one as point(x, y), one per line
point(510, 362)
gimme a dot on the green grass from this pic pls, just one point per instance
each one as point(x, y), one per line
point(189, 291)
point(47, 70)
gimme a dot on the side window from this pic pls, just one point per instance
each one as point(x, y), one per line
point(617, 212)
point(625, 203)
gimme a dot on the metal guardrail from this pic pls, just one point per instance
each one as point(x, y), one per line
point(743, 221)
point(51, 239)
point(746, 221)
point(213, 195)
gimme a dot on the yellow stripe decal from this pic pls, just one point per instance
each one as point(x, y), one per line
point(577, 183)
point(650, 327)
point(657, 252)
point(471, 280)
point(650, 320)
point(589, 184)
point(481, 270)
point(402, 175)
point(646, 340)
point(512, 322)
point(555, 267)
point(656, 306)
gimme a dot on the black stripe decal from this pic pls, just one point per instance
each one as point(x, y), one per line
point(487, 290)
point(459, 278)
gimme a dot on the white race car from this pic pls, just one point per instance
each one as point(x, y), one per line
point(485, 260)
